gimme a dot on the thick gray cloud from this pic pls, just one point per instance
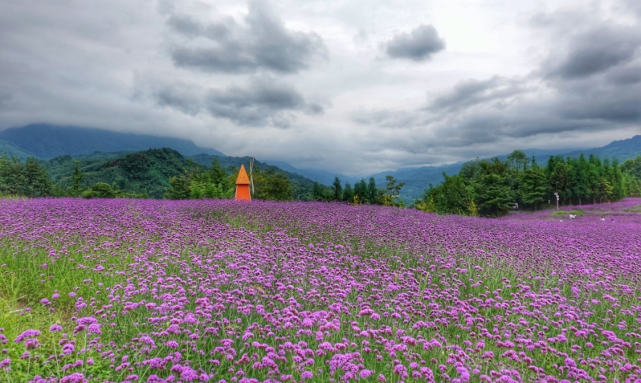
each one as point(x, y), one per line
point(260, 42)
point(597, 50)
point(418, 45)
point(625, 75)
point(179, 98)
point(229, 74)
point(473, 92)
point(265, 102)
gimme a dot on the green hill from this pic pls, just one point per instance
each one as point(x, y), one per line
point(147, 172)
point(12, 150)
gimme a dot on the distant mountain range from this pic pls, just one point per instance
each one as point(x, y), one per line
point(417, 179)
point(45, 141)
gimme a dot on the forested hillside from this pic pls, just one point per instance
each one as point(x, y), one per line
point(154, 173)
point(144, 173)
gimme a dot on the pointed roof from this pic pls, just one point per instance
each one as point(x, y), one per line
point(242, 178)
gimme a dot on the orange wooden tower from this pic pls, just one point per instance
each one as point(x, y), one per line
point(242, 185)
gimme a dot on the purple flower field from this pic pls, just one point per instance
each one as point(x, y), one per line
point(186, 291)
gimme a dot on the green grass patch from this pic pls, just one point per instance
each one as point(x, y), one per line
point(577, 212)
point(634, 209)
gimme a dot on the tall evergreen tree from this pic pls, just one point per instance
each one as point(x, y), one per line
point(533, 187)
point(372, 191)
point(360, 191)
point(337, 189)
point(348, 193)
point(76, 179)
point(37, 179)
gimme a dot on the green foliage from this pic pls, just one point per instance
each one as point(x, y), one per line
point(321, 192)
point(140, 173)
point(453, 196)
point(497, 186)
point(577, 212)
point(198, 183)
point(533, 189)
point(632, 167)
point(102, 190)
point(337, 189)
point(272, 185)
point(302, 187)
point(517, 161)
point(494, 195)
point(76, 178)
point(348, 193)
point(360, 192)
point(391, 196)
point(372, 192)
point(179, 188)
point(29, 179)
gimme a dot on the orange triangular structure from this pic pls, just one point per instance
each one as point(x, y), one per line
point(242, 185)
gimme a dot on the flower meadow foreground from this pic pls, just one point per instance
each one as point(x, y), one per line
point(187, 291)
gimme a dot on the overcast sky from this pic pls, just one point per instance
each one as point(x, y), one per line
point(353, 86)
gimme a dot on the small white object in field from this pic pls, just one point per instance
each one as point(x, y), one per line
point(572, 216)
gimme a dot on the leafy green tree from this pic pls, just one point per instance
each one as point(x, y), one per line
point(37, 179)
point(632, 167)
point(101, 190)
point(518, 161)
point(631, 185)
point(360, 192)
point(426, 203)
point(12, 177)
point(557, 173)
point(372, 191)
point(348, 193)
point(317, 192)
point(605, 190)
point(337, 189)
point(453, 196)
point(216, 173)
point(470, 170)
point(76, 177)
point(533, 187)
point(179, 188)
point(616, 179)
point(391, 196)
point(271, 185)
point(493, 193)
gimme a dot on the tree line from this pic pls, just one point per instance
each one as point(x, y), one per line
point(492, 188)
point(215, 182)
point(484, 187)
point(31, 179)
point(363, 192)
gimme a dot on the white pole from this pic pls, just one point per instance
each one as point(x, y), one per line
point(251, 174)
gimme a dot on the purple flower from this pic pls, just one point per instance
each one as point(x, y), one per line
point(27, 334)
point(365, 374)
point(94, 328)
point(76, 377)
